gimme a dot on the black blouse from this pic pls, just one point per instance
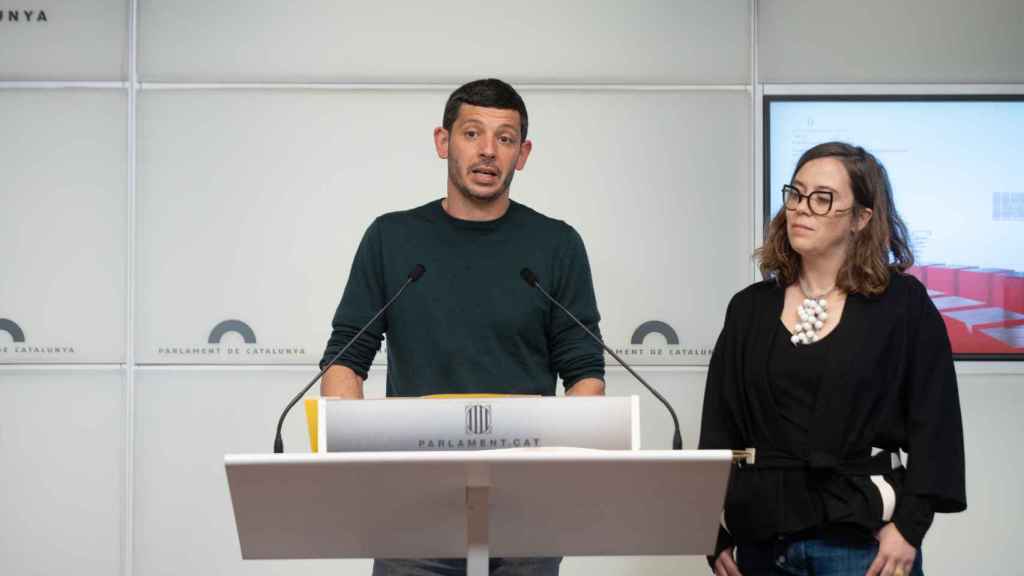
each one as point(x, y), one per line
point(794, 374)
point(886, 381)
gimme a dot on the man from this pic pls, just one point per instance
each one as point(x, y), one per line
point(471, 324)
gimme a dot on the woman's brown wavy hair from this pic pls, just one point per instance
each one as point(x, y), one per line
point(878, 249)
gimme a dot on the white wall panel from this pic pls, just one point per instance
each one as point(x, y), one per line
point(659, 41)
point(63, 467)
point(657, 183)
point(64, 40)
point(818, 41)
point(251, 206)
point(185, 422)
point(976, 541)
point(63, 225)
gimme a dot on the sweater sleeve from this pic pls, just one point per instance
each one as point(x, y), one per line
point(362, 298)
point(935, 480)
point(574, 354)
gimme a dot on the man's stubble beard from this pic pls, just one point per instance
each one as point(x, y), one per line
point(454, 171)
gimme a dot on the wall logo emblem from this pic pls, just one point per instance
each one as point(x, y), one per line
point(219, 347)
point(478, 419)
point(12, 328)
point(236, 326)
point(665, 349)
point(12, 16)
point(654, 327)
point(27, 350)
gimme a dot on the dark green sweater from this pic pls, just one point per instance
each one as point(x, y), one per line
point(470, 324)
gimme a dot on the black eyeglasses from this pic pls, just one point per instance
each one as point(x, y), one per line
point(819, 202)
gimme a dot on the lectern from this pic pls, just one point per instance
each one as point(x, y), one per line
point(540, 500)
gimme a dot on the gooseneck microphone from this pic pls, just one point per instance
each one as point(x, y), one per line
point(413, 276)
point(531, 279)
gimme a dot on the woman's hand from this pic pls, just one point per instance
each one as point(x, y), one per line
point(725, 565)
point(895, 555)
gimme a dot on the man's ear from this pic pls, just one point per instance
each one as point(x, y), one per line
point(524, 153)
point(441, 142)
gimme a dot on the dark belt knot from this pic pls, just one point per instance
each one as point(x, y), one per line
point(822, 462)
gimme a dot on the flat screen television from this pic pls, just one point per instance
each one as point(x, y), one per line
point(956, 164)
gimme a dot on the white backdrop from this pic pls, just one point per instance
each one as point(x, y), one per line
point(168, 166)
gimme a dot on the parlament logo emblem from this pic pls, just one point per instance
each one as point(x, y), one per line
point(478, 419)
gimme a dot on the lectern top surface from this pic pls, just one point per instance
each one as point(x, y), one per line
point(503, 455)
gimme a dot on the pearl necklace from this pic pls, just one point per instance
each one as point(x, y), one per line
point(811, 316)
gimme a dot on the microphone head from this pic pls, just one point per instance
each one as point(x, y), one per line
point(528, 276)
point(417, 272)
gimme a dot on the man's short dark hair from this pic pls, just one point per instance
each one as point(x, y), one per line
point(488, 93)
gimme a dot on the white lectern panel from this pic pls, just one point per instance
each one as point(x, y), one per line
point(63, 468)
point(64, 40)
point(646, 41)
point(63, 225)
point(475, 423)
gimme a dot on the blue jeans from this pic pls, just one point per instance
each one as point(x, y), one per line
point(811, 557)
point(498, 567)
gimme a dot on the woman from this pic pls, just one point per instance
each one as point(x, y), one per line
point(827, 369)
